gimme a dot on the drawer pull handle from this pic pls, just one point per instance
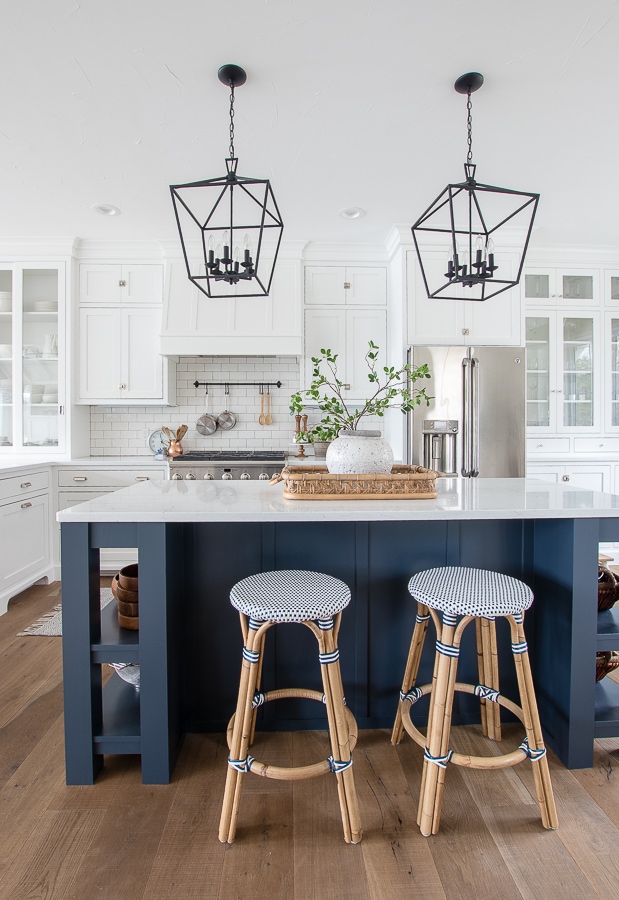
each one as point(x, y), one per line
point(26, 484)
point(26, 505)
point(142, 478)
point(79, 478)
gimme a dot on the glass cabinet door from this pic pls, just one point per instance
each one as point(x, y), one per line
point(578, 386)
point(614, 372)
point(6, 358)
point(538, 371)
point(31, 341)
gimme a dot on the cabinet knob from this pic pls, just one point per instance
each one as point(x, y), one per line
point(465, 331)
point(121, 387)
point(346, 285)
point(565, 478)
point(26, 484)
point(122, 284)
point(346, 387)
point(26, 505)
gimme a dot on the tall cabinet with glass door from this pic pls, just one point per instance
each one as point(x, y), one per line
point(562, 372)
point(32, 371)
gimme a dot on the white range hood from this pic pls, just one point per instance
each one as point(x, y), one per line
point(196, 325)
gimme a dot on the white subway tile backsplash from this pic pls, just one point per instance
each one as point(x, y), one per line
point(123, 431)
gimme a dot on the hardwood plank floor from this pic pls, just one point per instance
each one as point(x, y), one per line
point(121, 840)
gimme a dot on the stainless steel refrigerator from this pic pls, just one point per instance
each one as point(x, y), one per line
point(475, 424)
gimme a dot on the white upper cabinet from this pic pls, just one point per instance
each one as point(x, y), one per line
point(33, 358)
point(561, 286)
point(493, 322)
point(110, 283)
point(346, 285)
point(120, 326)
point(194, 324)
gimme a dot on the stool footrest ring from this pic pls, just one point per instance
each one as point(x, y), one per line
point(463, 759)
point(296, 773)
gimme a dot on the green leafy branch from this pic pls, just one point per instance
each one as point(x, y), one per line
point(393, 389)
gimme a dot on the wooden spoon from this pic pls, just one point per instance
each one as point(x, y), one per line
point(268, 419)
point(261, 417)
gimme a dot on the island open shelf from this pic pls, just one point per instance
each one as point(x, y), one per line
point(196, 540)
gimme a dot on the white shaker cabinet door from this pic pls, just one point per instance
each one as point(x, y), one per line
point(363, 326)
point(142, 369)
point(100, 353)
point(325, 329)
point(116, 283)
point(24, 537)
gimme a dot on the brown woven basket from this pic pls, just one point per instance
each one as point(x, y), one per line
point(317, 483)
point(605, 662)
point(608, 588)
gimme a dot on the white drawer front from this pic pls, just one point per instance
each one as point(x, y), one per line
point(596, 445)
point(548, 445)
point(23, 484)
point(110, 478)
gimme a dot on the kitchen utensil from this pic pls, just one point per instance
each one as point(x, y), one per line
point(181, 432)
point(226, 420)
point(206, 424)
point(261, 417)
point(268, 419)
point(128, 577)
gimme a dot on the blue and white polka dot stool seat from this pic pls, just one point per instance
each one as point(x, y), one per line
point(453, 597)
point(315, 600)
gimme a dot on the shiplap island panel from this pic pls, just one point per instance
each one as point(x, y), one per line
point(195, 540)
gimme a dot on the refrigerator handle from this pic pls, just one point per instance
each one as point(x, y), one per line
point(475, 418)
point(467, 419)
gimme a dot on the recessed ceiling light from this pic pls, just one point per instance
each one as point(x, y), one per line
point(104, 209)
point(352, 212)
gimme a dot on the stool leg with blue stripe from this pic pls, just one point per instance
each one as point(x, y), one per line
point(316, 601)
point(461, 595)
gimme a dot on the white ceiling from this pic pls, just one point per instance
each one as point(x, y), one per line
point(347, 103)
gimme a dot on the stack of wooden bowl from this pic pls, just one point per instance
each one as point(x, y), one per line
point(125, 589)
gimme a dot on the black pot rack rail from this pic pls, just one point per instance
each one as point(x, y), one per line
point(228, 384)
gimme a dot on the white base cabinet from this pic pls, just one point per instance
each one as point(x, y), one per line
point(592, 476)
point(24, 533)
point(75, 485)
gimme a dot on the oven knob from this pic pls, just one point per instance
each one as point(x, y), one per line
point(177, 476)
point(263, 476)
point(245, 476)
point(190, 476)
point(226, 476)
point(208, 476)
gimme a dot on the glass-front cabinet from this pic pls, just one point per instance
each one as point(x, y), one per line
point(563, 372)
point(576, 287)
point(31, 356)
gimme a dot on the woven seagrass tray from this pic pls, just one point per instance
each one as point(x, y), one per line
point(317, 483)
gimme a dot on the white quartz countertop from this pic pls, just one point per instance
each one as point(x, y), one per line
point(248, 501)
point(10, 463)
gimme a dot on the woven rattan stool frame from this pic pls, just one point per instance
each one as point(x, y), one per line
point(437, 753)
point(341, 724)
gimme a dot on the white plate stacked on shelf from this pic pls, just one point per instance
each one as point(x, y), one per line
point(45, 306)
point(6, 301)
point(50, 395)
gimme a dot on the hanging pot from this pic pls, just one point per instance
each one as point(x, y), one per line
point(226, 420)
point(359, 453)
point(206, 424)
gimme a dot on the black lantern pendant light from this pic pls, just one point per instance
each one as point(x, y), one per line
point(480, 232)
point(233, 220)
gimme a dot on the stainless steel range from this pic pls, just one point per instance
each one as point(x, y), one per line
point(227, 465)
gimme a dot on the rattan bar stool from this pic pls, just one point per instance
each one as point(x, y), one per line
point(463, 595)
point(315, 600)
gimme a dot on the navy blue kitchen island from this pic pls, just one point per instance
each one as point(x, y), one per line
point(195, 540)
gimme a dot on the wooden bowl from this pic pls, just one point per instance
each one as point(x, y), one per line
point(128, 609)
point(121, 594)
point(128, 577)
point(130, 622)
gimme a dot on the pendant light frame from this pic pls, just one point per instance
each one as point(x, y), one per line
point(232, 208)
point(456, 222)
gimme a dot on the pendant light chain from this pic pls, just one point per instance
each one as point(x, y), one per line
point(469, 127)
point(231, 120)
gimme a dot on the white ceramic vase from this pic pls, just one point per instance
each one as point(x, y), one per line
point(359, 453)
